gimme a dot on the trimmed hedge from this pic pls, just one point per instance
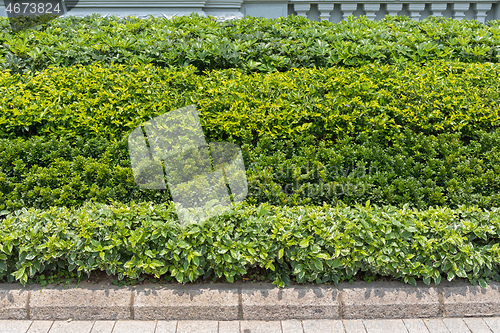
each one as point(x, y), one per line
point(423, 135)
point(416, 169)
point(44, 172)
point(331, 104)
point(302, 244)
point(250, 44)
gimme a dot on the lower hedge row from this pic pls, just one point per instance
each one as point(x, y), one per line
point(416, 169)
point(302, 244)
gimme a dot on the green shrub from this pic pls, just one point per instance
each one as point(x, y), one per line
point(331, 104)
point(416, 169)
point(418, 135)
point(52, 172)
point(250, 44)
point(302, 244)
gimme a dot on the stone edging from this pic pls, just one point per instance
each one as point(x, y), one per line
point(249, 301)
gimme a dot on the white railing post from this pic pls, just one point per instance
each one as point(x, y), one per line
point(302, 9)
point(371, 10)
point(347, 9)
point(415, 9)
point(224, 8)
point(324, 11)
point(460, 8)
point(437, 9)
point(481, 9)
point(394, 8)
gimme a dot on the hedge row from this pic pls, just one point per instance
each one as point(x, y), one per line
point(42, 172)
point(415, 169)
point(251, 44)
point(332, 104)
point(424, 135)
point(312, 244)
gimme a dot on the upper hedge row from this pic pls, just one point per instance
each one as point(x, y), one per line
point(331, 104)
point(251, 44)
point(312, 244)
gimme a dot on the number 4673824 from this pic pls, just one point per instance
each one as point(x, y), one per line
point(33, 8)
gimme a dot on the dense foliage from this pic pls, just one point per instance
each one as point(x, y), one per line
point(330, 104)
point(418, 170)
point(424, 135)
point(400, 113)
point(302, 244)
point(251, 44)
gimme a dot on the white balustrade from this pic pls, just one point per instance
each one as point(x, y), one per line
point(319, 10)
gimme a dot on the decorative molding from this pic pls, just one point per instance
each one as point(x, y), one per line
point(138, 4)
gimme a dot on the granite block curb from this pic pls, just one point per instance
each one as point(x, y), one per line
point(83, 303)
point(249, 301)
point(186, 302)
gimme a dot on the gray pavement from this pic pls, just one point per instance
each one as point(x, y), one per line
point(434, 325)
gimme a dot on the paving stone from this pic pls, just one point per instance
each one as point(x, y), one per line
point(415, 326)
point(259, 326)
point(229, 326)
point(198, 326)
point(73, 327)
point(266, 302)
point(476, 325)
point(354, 326)
point(464, 300)
point(103, 326)
point(323, 326)
point(14, 326)
point(388, 300)
point(384, 326)
point(436, 325)
point(83, 303)
point(183, 302)
point(166, 326)
point(134, 326)
point(493, 324)
point(40, 326)
point(291, 326)
point(456, 325)
point(13, 302)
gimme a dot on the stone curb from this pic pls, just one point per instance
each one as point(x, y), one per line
point(249, 301)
